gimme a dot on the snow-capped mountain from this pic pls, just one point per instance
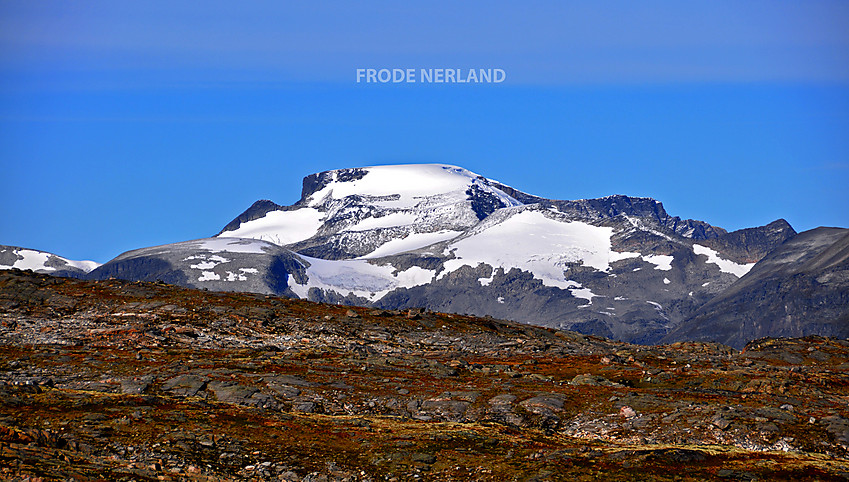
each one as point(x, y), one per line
point(447, 239)
point(43, 262)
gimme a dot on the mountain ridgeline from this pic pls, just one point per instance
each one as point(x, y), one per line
point(449, 240)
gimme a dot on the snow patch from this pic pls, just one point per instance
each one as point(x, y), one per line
point(207, 262)
point(233, 245)
point(34, 260)
point(487, 281)
point(615, 256)
point(666, 281)
point(584, 293)
point(37, 261)
point(204, 265)
point(725, 266)
point(660, 261)
point(407, 184)
point(231, 276)
point(414, 276)
point(209, 276)
point(84, 265)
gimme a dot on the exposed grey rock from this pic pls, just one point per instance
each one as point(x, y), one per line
point(136, 385)
point(594, 380)
point(231, 392)
point(547, 405)
point(285, 391)
point(185, 385)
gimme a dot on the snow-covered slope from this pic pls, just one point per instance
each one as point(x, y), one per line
point(42, 261)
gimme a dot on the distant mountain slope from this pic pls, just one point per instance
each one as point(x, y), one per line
point(801, 288)
point(220, 264)
point(43, 262)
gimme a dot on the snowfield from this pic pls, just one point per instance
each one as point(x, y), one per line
point(358, 277)
point(531, 241)
point(411, 243)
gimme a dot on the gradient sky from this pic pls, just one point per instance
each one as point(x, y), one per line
point(130, 124)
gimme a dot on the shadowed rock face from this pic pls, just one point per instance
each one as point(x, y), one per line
point(801, 288)
point(752, 244)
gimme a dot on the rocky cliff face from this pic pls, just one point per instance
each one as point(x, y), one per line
point(801, 288)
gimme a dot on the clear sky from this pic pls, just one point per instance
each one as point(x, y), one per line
point(126, 124)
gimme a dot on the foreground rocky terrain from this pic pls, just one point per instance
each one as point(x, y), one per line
point(120, 380)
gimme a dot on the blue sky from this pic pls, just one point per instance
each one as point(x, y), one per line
point(129, 124)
